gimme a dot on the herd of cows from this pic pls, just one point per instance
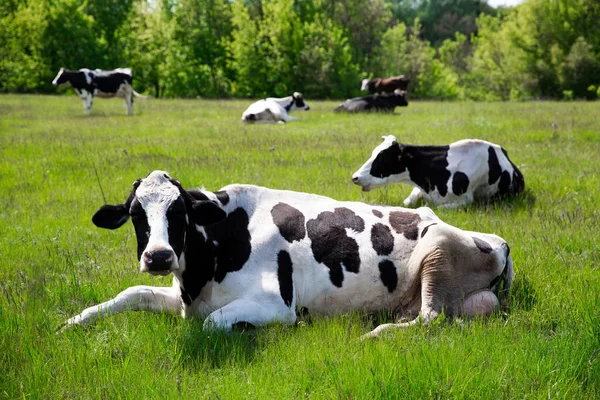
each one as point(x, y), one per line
point(249, 255)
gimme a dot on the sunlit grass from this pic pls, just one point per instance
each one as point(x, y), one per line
point(57, 166)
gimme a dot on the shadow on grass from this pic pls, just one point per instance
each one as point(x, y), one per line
point(219, 348)
point(525, 200)
point(522, 294)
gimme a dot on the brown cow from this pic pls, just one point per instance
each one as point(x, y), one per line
point(385, 85)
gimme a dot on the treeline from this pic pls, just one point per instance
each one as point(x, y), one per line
point(450, 49)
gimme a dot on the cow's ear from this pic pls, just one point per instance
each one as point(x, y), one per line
point(111, 216)
point(205, 212)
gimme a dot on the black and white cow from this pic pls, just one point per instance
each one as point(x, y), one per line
point(450, 176)
point(374, 103)
point(107, 84)
point(273, 109)
point(252, 255)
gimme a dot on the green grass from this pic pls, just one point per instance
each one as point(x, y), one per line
point(54, 262)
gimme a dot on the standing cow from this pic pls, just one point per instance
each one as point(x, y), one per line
point(252, 255)
point(451, 176)
point(385, 85)
point(106, 84)
point(274, 109)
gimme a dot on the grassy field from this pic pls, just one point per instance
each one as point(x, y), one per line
point(54, 262)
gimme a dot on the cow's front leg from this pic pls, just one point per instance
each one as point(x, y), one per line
point(240, 311)
point(413, 197)
point(135, 298)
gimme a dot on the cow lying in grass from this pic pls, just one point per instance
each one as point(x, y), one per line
point(373, 103)
point(251, 255)
point(274, 109)
point(451, 176)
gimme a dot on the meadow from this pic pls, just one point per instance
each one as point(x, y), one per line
point(57, 167)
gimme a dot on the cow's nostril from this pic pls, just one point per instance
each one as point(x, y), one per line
point(161, 256)
point(355, 179)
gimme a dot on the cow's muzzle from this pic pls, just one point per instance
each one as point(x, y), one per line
point(356, 180)
point(158, 262)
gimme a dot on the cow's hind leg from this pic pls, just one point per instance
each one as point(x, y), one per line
point(433, 292)
point(251, 312)
point(87, 103)
point(128, 97)
point(135, 298)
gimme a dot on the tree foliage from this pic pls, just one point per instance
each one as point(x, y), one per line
point(450, 49)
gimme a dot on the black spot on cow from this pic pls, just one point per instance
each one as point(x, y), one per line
point(388, 275)
point(378, 213)
point(233, 242)
point(196, 194)
point(223, 197)
point(382, 239)
point(387, 162)
point(199, 265)
point(427, 167)
point(494, 166)
point(424, 231)
point(460, 183)
point(518, 182)
point(482, 245)
point(290, 222)
point(405, 223)
point(284, 275)
point(331, 245)
point(185, 296)
point(504, 184)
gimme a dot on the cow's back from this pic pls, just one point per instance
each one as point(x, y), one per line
point(342, 255)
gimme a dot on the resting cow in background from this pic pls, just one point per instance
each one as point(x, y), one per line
point(252, 255)
point(107, 84)
point(374, 103)
point(385, 85)
point(274, 109)
point(450, 176)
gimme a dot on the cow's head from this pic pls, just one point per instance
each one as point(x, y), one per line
point(161, 211)
point(385, 166)
point(489, 276)
point(399, 98)
point(298, 102)
point(364, 84)
point(60, 78)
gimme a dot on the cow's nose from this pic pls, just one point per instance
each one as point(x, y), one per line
point(307, 108)
point(158, 260)
point(355, 179)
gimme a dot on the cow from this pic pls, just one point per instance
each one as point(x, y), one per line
point(450, 176)
point(373, 103)
point(273, 109)
point(385, 85)
point(106, 84)
point(248, 255)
